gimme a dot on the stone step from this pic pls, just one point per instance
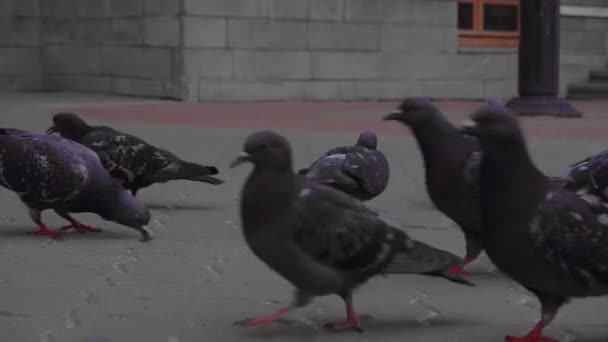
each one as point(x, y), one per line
point(598, 76)
point(588, 90)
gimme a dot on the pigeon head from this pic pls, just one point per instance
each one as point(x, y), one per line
point(127, 211)
point(493, 123)
point(368, 140)
point(267, 150)
point(414, 110)
point(68, 125)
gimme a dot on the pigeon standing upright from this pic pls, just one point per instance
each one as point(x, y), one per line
point(451, 162)
point(129, 158)
point(318, 238)
point(360, 170)
point(551, 240)
point(49, 172)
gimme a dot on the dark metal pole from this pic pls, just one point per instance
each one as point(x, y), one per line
point(538, 77)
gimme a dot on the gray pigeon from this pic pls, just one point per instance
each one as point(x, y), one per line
point(49, 172)
point(129, 158)
point(451, 162)
point(551, 240)
point(318, 238)
point(360, 170)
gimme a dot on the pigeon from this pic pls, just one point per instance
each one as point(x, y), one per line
point(320, 239)
point(551, 240)
point(50, 172)
point(451, 161)
point(132, 160)
point(360, 171)
point(589, 172)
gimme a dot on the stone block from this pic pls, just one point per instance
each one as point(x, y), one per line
point(127, 31)
point(453, 89)
point(210, 90)
point(259, 33)
point(327, 9)
point(162, 7)
point(66, 9)
point(208, 63)
point(408, 38)
point(343, 36)
point(596, 24)
point(293, 9)
point(94, 9)
point(438, 66)
point(204, 32)
point(147, 63)
point(581, 42)
point(434, 12)
point(57, 31)
point(20, 62)
point(20, 31)
point(162, 31)
point(138, 87)
point(271, 65)
point(386, 90)
point(126, 8)
point(231, 8)
point(346, 65)
point(71, 60)
point(15, 83)
point(91, 84)
point(501, 89)
point(92, 31)
point(366, 11)
point(26, 8)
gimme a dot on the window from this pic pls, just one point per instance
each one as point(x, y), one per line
point(488, 23)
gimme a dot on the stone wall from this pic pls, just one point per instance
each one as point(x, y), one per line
point(223, 50)
point(334, 49)
point(584, 44)
point(129, 47)
point(20, 62)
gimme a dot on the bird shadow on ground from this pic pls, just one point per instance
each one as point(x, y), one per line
point(293, 328)
point(185, 207)
point(25, 232)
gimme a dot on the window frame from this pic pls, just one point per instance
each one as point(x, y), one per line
point(478, 37)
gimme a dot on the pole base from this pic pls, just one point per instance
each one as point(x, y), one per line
point(543, 106)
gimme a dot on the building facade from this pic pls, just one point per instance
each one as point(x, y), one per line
point(226, 50)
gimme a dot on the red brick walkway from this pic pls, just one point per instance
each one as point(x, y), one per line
point(332, 117)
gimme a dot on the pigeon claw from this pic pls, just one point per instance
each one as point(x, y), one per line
point(81, 228)
point(530, 338)
point(459, 270)
point(264, 320)
point(344, 325)
point(44, 230)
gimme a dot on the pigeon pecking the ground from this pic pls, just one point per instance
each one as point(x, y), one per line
point(551, 240)
point(132, 160)
point(49, 172)
point(360, 170)
point(451, 162)
point(318, 238)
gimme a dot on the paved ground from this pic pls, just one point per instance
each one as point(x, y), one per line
point(197, 276)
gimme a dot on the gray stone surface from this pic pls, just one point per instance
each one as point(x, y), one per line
point(162, 31)
point(263, 33)
point(204, 32)
point(341, 36)
point(350, 42)
point(197, 277)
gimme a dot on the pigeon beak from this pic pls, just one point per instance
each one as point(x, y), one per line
point(51, 130)
point(469, 127)
point(393, 115)
point(242, 158)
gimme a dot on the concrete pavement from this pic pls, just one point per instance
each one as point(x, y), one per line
point(197, 276)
